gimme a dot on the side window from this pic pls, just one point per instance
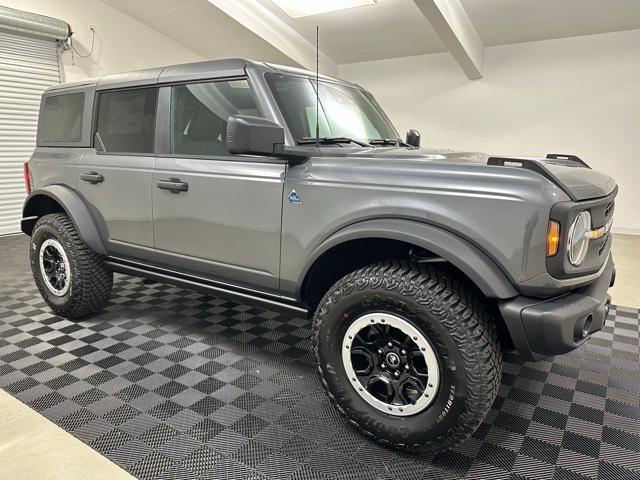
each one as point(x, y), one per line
point(127, 120)
point(199, 113)
point(62, 118)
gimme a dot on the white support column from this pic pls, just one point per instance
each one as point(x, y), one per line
point(452, 24)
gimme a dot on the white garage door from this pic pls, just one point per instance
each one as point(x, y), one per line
point(27, 67)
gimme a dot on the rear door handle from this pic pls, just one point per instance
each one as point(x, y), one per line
point(174, 185)
point(92, 177)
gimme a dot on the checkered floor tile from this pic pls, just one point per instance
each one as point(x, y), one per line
point(170, 383)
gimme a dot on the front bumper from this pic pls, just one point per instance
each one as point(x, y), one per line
point(541, 328)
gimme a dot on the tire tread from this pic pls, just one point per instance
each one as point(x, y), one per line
point(91, 281)
point(466, 314)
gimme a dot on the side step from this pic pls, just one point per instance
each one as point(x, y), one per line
point(217, 289)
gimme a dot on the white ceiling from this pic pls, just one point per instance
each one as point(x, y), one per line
point(388, 29)
point(395, 28)
point(501, 22)
point(201, 27)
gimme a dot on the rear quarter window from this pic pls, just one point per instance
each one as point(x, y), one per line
point(62, 118)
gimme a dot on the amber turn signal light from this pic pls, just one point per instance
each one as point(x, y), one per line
point(553, 238)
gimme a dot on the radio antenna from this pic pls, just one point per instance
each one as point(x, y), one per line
point(317, 86)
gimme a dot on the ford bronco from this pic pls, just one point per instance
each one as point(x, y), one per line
point(268, 185)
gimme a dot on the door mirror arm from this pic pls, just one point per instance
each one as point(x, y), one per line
point(293, 155)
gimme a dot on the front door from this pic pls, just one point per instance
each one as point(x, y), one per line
point(216, 215)
point(115, 176)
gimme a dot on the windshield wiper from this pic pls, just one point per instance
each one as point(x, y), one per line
point(330, 141)
point(388, 141)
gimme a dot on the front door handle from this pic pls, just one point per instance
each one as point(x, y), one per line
point(174, 185)
point(92, 177)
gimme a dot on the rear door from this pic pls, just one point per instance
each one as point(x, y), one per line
point(115, 175)
point(216, 215)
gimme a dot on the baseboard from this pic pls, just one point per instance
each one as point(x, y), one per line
point(626, 231)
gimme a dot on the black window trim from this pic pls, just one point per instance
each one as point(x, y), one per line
point(226, 158)
point(205, 80)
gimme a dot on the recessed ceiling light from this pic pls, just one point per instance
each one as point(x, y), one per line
point(305, 8)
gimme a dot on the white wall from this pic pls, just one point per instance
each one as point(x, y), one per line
point(577, 95)
point(122, 43)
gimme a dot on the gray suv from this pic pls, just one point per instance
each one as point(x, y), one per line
point(266, 185)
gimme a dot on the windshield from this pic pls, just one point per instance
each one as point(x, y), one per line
point(344, 111)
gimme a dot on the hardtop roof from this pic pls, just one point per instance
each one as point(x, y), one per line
point(227, 67)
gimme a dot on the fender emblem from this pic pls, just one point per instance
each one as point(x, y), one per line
point(294, 198)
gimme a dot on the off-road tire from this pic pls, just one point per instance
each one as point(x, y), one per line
point(457, 321)
point(91, 282)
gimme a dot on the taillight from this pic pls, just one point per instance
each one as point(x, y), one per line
point(27, 177)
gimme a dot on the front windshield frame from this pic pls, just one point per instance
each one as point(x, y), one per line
point(374, 123)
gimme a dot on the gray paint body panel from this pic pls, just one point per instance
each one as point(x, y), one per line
point(232, 67)
point(129, 79)
point(55, 165)
point(121, 204)
point(227, 225)
point(453, 194)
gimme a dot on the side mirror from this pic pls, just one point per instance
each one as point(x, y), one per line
point(413, 138)
point(253, 136)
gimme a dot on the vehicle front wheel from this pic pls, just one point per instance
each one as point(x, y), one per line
point(71, 277)
point(409, 353)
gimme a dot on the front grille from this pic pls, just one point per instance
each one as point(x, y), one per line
point(601, 212)
point(603, 247)
point(609, 210)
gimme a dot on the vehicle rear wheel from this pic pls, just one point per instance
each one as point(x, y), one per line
point(409, 353)
point(71, 277)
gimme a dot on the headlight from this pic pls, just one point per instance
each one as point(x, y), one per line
point(578, 238)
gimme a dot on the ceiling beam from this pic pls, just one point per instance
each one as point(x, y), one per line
point(265, 24)
point(452, 24)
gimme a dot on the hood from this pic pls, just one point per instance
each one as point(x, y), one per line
point(403, 153)
point(572, 175)
point(582, 182)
